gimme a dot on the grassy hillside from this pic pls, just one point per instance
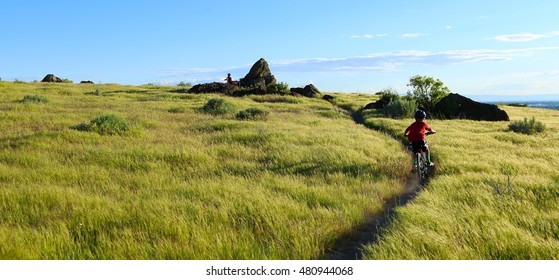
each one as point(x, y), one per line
point(495, 194)
point(179, 183)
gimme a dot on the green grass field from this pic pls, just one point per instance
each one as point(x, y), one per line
point(183, 184)
point(175, 182)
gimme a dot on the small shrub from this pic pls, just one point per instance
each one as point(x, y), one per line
point(184, 84)
point(400, 109)
point(34, 99)
point(218, 106)
point(108, 125)
point(527, 126)
point(177, 110)
point(281, 88)
point(252, 114)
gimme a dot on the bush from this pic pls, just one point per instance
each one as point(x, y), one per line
point(184, 84)
point(399, 109)
point(34, 99)
point(281, 88)
point(108, 125)
point(177, 110)
point(252, 114)
point(389, 95)
point(218, 106)
point(527, 126)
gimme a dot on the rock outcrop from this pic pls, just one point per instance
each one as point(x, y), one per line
point(456, 106)
point(379, 104)
point(307, 91)
point(259, 76)
point(214, 87)
point(328, 98)
point(256, 82)
point(51, 78)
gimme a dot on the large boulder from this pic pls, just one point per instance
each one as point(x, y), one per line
point(214, 87)
point(379, 104)
point(259, 76)
point(308, 91)
point(328, 98)
point(51, 78)
point(456, 106)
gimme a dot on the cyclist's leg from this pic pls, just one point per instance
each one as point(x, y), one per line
point(427, 154)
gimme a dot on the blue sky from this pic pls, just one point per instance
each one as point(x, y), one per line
point(474, 47)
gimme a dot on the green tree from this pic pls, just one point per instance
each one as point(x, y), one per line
point(388, 94)
point(427, 91)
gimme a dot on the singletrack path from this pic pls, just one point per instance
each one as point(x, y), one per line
point(350, 246)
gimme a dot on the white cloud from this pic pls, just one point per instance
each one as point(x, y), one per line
point(413, 35)
point(448, 27)
point(552, 73)
point(393, 61)
point(525, 37)
point(368, 36)
point(375, 62)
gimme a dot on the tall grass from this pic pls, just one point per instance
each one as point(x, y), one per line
point(495, 194)
point(192, 185)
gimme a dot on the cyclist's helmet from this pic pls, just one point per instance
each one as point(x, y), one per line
point(420, 114)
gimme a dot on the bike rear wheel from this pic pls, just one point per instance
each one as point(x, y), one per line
point(421, 168)
point(418, 164)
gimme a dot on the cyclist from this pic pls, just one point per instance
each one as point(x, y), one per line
point(416, 134)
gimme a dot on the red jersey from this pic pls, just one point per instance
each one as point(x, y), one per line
point(417, 131)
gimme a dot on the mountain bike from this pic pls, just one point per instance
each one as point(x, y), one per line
point(420, 161)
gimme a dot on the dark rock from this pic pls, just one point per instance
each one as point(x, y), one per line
point(51, 78)
point(259, 76)
point(308, 91)
point(456, 106)
point(86, 82)
point(328, 97)
point(214, 87)
point(379, 104)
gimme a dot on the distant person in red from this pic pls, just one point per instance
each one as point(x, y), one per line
point(229, 80)
point(416, 134)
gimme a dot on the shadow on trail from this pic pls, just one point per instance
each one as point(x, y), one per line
point(350, 246)
point(358, 117)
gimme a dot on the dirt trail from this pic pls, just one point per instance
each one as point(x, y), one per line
point(350, 246)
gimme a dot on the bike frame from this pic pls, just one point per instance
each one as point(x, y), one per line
point(421, 164)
